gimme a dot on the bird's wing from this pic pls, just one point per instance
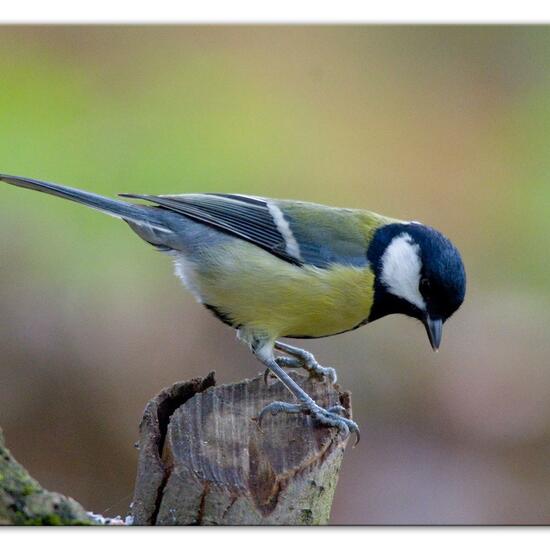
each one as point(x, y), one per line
point(297, 232)
point(327, 236)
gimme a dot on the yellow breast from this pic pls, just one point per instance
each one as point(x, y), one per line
point(259, 291)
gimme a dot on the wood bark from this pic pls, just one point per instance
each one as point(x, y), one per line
point(204, 460)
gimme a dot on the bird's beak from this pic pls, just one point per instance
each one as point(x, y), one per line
point(434, 328)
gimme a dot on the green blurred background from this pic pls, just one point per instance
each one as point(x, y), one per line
point(446, 125)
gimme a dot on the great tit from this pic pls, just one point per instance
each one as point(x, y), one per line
point(281, 268)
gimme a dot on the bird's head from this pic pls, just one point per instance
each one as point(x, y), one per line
point(419, 273)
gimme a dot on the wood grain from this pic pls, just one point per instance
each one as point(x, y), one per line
point(205, 461)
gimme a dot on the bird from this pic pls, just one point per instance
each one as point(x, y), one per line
point(275, 269)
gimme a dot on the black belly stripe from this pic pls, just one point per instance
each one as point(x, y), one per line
point(303, 337)
point(221, 315)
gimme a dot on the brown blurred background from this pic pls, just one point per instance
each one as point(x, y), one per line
point(446, 125)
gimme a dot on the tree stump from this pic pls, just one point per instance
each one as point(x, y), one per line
point(205, 461)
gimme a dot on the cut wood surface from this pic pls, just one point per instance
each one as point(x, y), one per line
point(204, 460)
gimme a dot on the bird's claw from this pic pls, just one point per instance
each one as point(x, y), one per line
point(308, 362)
point(337, 409)
point(323, 372)
point(327, 417)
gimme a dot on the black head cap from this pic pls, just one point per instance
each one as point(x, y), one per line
point(433, 281)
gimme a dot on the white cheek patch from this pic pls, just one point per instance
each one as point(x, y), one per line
point(401, 267)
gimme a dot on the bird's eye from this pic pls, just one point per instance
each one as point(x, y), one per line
point(424, 286)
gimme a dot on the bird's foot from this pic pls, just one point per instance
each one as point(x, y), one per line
point(310, 365)
point(308, 362)
point(330, 417)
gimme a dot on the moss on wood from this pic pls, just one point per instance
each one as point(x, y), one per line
point(24, 502)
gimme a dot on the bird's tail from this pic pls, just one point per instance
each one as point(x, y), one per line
point(138, 214)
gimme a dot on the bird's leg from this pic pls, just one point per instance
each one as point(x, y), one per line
point(306, 405)
point(304, 359)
